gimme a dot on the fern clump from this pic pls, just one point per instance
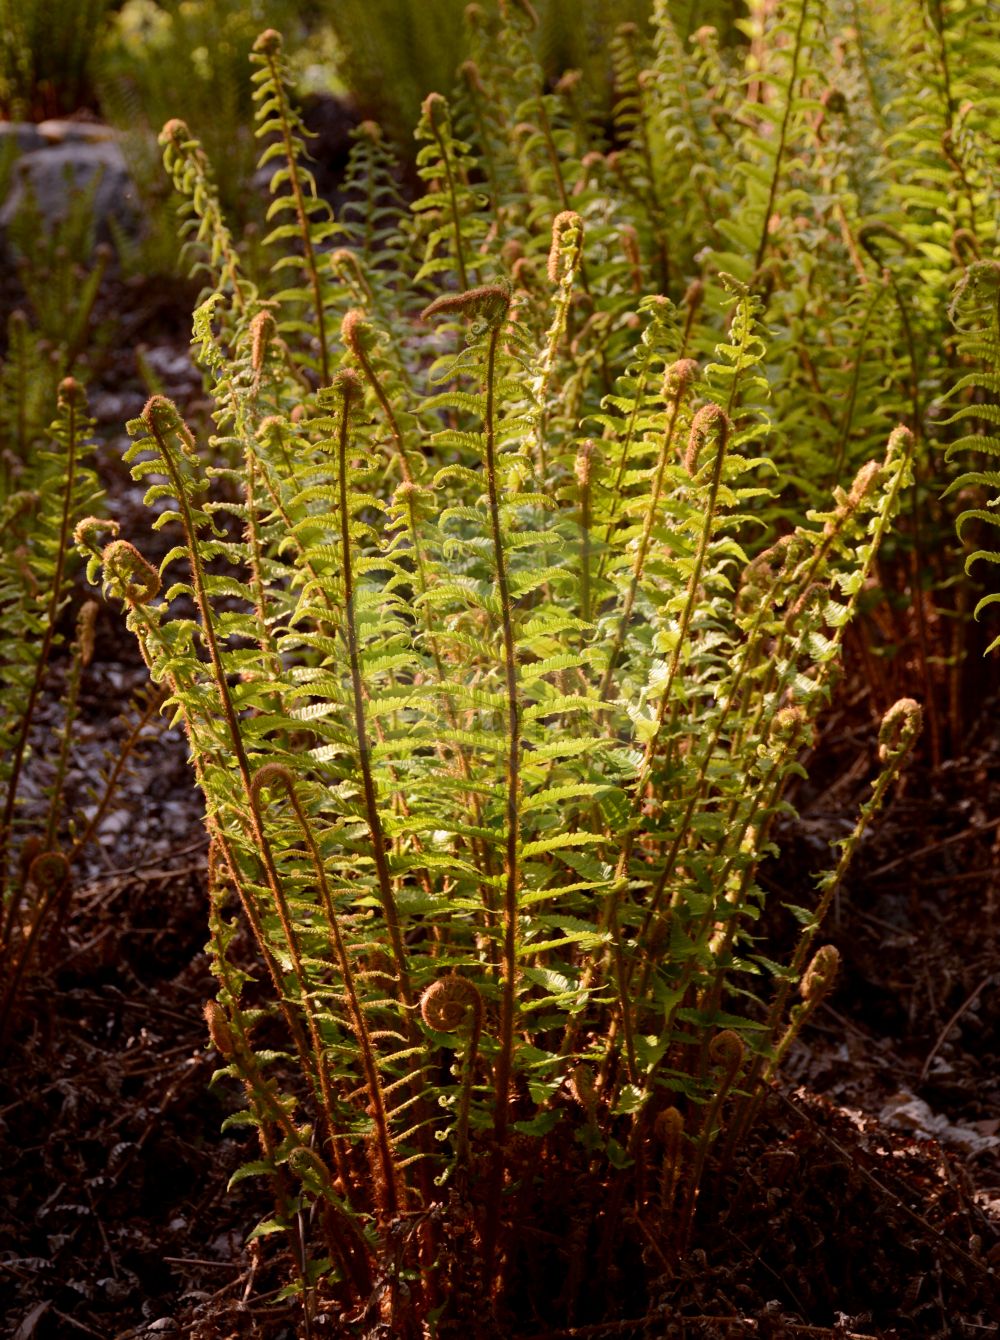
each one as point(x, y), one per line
point(492, 689)
point(548, 482)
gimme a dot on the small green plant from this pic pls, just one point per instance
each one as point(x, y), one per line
point(159, 51)
point(391, 55)
point(47, 56)
point(45, 495)
point(492, 707)
point(47, 488)
point(61, 268)
point(46, 491)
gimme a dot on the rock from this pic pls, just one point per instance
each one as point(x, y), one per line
point(25, 134)
point(52, 172)
point(172, 365)
point(906, 1112)
point(76, 132)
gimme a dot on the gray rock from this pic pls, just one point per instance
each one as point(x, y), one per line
point(77, 132)
point(25, 134)
point(52, 172)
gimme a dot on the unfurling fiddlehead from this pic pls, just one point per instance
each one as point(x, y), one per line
point(726, 1052)
point(127, 575)
point(453, 1004)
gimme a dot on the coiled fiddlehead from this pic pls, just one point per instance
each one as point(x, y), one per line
point(669, 1130)
point(453, 1004)
point(204, 225)
point(816, 984)
point(127, 575)
point(447, 165)
point(727, 1053)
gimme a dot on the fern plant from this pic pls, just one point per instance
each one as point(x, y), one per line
point(47, 57)
point(61, 271)
point(493, 714)
point(47, 488)
point(836, 160)
point(974, 312)
point(45, 495)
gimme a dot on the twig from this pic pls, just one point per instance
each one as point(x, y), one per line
point(113, 999)
point(966, 833)
point(757, 1257)
point(966, 1004)
point(112, 1258)
point(651, 1242)
point(981, 873)
point(610, 1328)
point(847, 1023)
point(202, 1261)
point(881, 921)
point(78, 1325)
point(199, 844)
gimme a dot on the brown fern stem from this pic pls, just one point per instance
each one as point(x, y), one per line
point(456, 222)
point(161, 418)
point(349, 387)
point(354, 336)
point(502, 1073)
point(782, 139)
point(639, 562)
point(389, 1200)
point(271, 52)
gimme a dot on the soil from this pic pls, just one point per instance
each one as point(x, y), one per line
point(865, 1203)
